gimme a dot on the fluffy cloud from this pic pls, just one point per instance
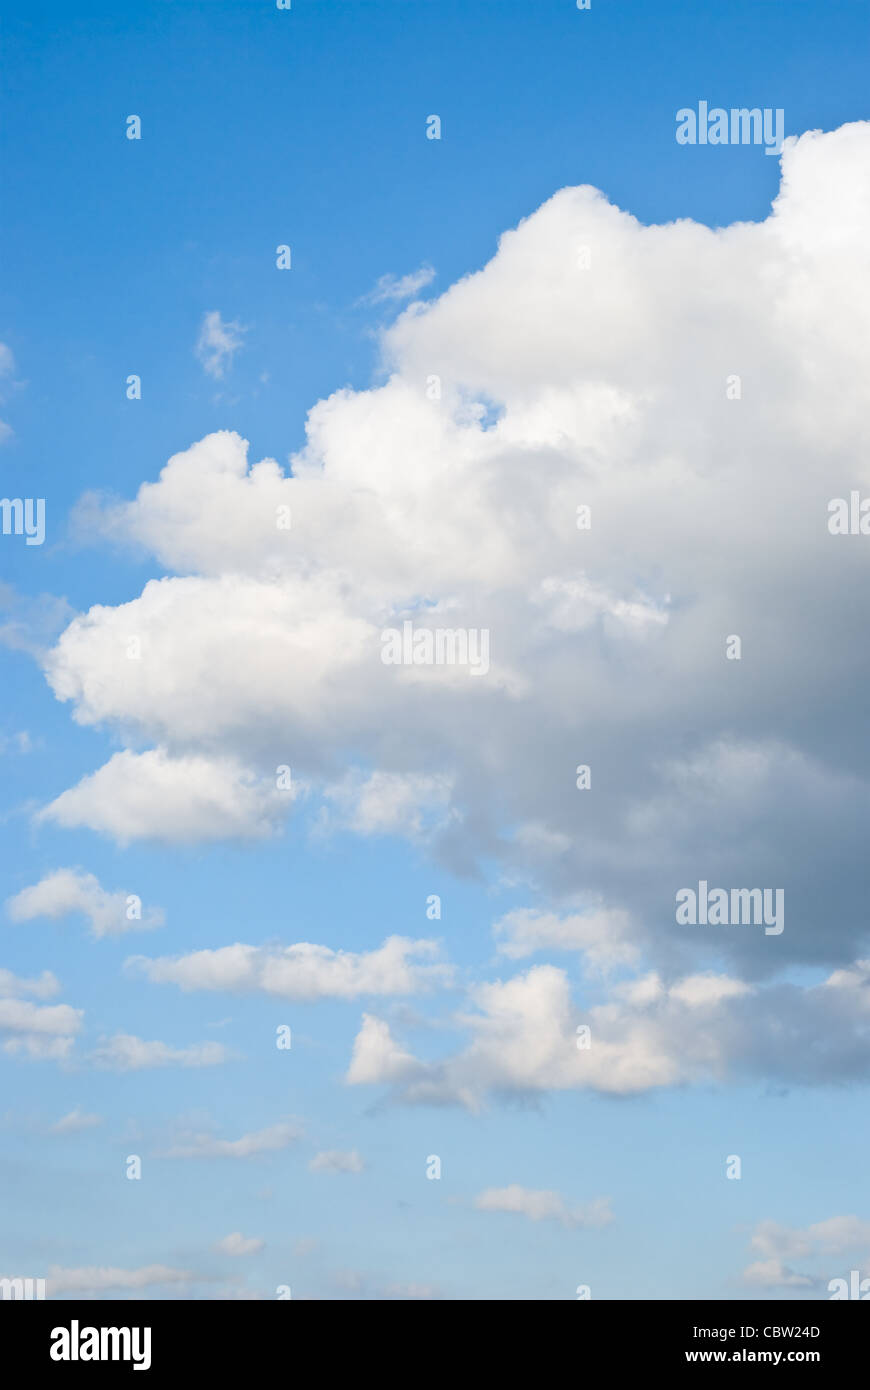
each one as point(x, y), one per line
point(177, 800)
point(69, 890)
point(44, 986)
point(377, 1058)
point(36, 1030)
point(304, 972)
point(777, 1243)
point(603, 382)
point(337, 1161)
point(124, 1052)
point(544, 1206)
point(237, 1244)
point(602, 935)
point(526, 1036)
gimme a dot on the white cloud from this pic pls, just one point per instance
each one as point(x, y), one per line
point(303, 972)
point(337, 1161)
point(773, 1274)
point(377, 1058)
point(218, 343)
point(154, 796)
point(44, 986)
point(41, 1032)
point(394, 288)
point(544, 1206)
point(124, 1052)
point(602, 935)
point(207, 1145)
point(524, 1038)
point(70, 890)
point(237, 1244)
point(777, 1243)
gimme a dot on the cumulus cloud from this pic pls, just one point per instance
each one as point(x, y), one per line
point(175, 800)
point(337, 1161)
point(603, 936)
point(778, 1243)
point(125, 1052)
point(303, 972)
point(70, 890)
point(43, 986)
point(38, 1031)
point(207, 1145)
point(218, 343)
point(544, 1206)
point(606, 383)
point(237, 1244)
point(528, 1034)
point(377, 1058)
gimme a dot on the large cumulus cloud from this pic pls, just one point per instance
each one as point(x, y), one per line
point(554, 378)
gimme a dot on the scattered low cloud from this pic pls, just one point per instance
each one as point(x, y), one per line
point(66, 891)
point(208, 1145)
point(544, 1206)
point(303, 972)
point(125, 1052)
point(40, 1032)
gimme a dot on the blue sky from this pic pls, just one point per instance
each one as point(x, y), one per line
point(262, 127)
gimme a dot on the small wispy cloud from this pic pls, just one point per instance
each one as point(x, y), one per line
point(76, 1121)
point(207, 1145)
point(394, 288)
point(125, 1052)
point(218, 343)
point(544, 1206)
